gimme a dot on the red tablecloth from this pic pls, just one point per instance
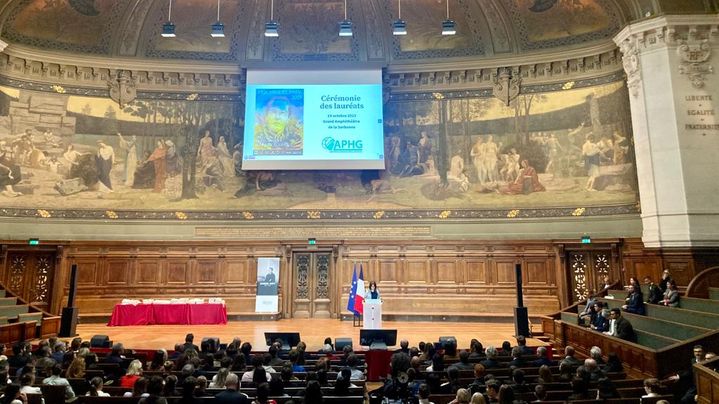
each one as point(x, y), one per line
point(378, 364)
point(183, 313)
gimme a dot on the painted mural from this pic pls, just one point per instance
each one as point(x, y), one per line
point(569, 18)
point(311, 26)
point(424, 28)
point(48, 20)
point(192, 19)
point(564, 148)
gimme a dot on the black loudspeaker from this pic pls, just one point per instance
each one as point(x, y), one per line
point(521, 321)
point(73, 286)
point(68, 324)
point(521, 317)
point(518, 282)
point(100, 341)
point(341, 343)
point(449, 339)
point(210, 342)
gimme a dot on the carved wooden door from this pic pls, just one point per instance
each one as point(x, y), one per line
point(587, 270)
point(29, 275)
point(311, 296)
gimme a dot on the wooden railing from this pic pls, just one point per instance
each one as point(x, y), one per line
point(699, 285)
point(707, 381)
point(49, 326)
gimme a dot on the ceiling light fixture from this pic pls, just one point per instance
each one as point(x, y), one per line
point(168, 28)
point(448, 26)
point(272, 27)
point(345, 25)
point(218, 28)
point(399, 26)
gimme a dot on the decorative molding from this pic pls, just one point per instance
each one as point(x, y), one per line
point(506, 86)
point(122, 88)
point(694, 61)
point(238, 217)
point(3, 45)
point(692, 36)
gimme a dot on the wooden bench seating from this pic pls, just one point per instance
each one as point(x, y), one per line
point(8, 301)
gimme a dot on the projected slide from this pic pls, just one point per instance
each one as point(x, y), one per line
point(313, 120)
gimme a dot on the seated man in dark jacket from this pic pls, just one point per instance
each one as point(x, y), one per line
point(635, 301)
point(230, 395)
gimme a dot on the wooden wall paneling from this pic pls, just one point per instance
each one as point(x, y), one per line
point(417, 271)
point(477, 271)
point(149, 272)
point(119, 271)
point(238, 271)
point(449, 271)
point(388, 271)
point(179, 272)
point(207, 271)
point(505, 271)
point(88, 272)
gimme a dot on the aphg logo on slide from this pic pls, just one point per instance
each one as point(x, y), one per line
point(341, 146)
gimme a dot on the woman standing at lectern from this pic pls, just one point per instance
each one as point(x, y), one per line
point(373, 292)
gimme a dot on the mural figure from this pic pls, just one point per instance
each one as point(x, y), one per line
point(9, 173)
point(527, 181)
point(228, 166)
point(158, 159)
point(206, 149)
point(130, 148)
point(592, 158)
point(477, 154)
point(491, 150)
point(104, 160)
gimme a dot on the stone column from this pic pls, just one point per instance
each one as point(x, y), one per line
point(674, 95)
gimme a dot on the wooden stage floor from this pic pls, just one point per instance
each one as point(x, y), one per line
point(312, 331)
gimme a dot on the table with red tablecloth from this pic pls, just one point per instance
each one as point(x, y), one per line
point(168, 313)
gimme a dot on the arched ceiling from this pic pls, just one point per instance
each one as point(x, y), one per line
point(308, 28)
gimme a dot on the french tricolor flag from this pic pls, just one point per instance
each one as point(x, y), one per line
point(353, 292)
point(359, 293)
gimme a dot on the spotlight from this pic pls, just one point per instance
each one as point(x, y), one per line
point(168, 30)
point(346, 28)
point(399, 27)
point(272, 29)
point(448, 27)
point(218, 30)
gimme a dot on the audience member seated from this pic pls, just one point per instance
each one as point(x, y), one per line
point(313, 393)
point(517, 360)
point(654, 293)
point(634, 301)
point(671, 296)
point(506, 349)
point(592, 368)
point(231, 394)
point(666, 278)
point(353, 363)
point(294, 357)
point(463, 363)
point(518, 384)
point(403, 346)
point(569, 359)
point(76, 370)
point(189, 343)
point(601, 322)
point(274, 350)
point(580, 389)
point(452, 384)
point(540, 392)
point(437, 363)
point(491, 361)
point(542, 358)
point(651, 387)
point(139, 389)
point(505, 394)
point(614, 364)
point(478, 383)
point(423, 394)
point(450, 351)
point(134, 372)
point(620, 327)
point(263, 395)
point(595, 353)
point(188, 392)
point(13, 395)
point(462, 397)
point(95, 389)
point(545, 375)
point(492, 391)
point(57, 380)
point(476, 350)
point(343, 383)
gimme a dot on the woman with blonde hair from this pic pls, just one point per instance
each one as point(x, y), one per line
point(545, 375)
point(477, 398)
point(462, 397)
point(76, 370)
point(218, 381)
point(134, 372)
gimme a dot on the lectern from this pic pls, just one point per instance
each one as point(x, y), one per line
point(372, 314)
